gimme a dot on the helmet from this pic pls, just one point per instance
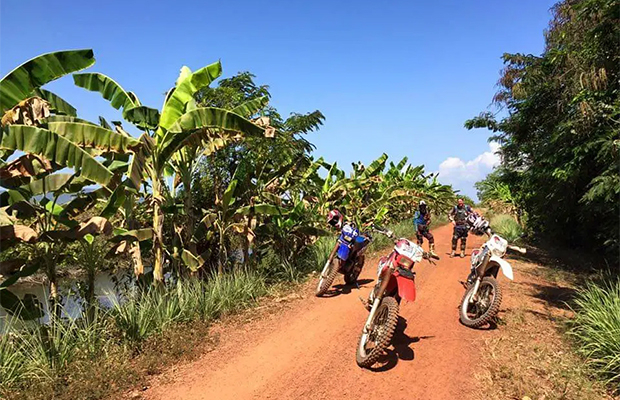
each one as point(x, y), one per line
point(422, 203)
point(334, 218)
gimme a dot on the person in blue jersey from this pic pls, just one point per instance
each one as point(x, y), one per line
point(422, 222)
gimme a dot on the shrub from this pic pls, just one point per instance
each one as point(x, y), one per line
point(596, 326)
point(506, 227)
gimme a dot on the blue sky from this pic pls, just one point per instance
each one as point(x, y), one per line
point(393, 77)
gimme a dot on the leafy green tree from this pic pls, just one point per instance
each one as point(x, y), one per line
point(561, 135)
point(181, 123)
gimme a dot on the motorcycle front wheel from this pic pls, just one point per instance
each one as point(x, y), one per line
point(327, 277)
point(372, 344)
point(481, 311)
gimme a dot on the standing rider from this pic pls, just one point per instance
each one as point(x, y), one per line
point(421, 222)
point(458, 216)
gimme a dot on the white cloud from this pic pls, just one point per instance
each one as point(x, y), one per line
point(463, 174)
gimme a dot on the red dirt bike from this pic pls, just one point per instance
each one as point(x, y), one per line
point(396, 281)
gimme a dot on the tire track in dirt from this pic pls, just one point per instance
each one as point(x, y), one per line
point(307, 351)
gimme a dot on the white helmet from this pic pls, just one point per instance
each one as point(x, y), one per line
point(422, 203)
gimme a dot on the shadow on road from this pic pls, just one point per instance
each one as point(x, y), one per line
point(400, 349)
point(342, 288)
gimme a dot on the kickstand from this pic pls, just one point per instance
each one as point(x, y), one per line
point(357, 285)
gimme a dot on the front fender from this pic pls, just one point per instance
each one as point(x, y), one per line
point(504, 265)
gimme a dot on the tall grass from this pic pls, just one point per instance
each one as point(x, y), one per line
point(596, 327)
point(321, 249)
point(153, 311)
point(506, 227)
point(41, 353)
point(33, 352)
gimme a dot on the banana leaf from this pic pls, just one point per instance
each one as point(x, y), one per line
point(55, 148)
point(193, 126)
point(186, 87)
point(251, 107)
point(18, 84)
point(93, 136)
point(57, 104)
point(107, 87)
point(143, 117)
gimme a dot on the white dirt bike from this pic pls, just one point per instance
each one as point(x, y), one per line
point(483, 294)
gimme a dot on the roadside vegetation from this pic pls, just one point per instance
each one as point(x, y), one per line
point(213, 204)
point(596, 327)
point(558, 179)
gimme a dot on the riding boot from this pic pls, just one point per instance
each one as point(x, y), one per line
point(431, 249)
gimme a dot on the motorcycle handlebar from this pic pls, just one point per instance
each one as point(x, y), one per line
point(430, 257)
point(382, 230)
point(517, 249)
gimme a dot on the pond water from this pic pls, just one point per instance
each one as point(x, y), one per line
point(108, 289)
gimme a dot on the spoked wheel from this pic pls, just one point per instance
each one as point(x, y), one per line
point(374, 341)
point(486, 305)
point(327, 277)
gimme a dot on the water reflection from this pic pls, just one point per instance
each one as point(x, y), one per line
point(109, 288)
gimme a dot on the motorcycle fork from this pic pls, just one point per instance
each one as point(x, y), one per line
point(480, 272)
point(331, 257)
point(474, 294)
point(385, 280)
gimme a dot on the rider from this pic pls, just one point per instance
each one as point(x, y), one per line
point(458, 216)
point(335, 219)
point(421, 222)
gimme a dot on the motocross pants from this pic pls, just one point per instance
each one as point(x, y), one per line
point(460, 232)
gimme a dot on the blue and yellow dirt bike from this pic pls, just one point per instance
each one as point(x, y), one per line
point(347, 258)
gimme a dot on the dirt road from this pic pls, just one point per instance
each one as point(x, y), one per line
point(308, 350)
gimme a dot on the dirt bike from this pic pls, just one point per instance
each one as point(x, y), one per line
point(347, 258)
point(483, 294)
point(478, 225)
point(395, 281)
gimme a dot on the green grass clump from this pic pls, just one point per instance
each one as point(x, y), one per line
point(596, 327)
point(39, 353)
point(146, 313)
point(506, 227)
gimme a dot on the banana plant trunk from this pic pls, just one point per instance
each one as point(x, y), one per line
point(53, 282)
point(134, 246)
point(220, 255)
point(158, 227)
point(189, 204)
point(246, 240)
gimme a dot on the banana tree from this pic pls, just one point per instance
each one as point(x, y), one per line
point(231, 215)
point(43, 229)
point(178, 125)
point(185, 162)
point(45, 127)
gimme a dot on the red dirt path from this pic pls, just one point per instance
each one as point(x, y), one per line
point(307, 351)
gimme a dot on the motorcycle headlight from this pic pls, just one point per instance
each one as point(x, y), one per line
point(404, 261)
